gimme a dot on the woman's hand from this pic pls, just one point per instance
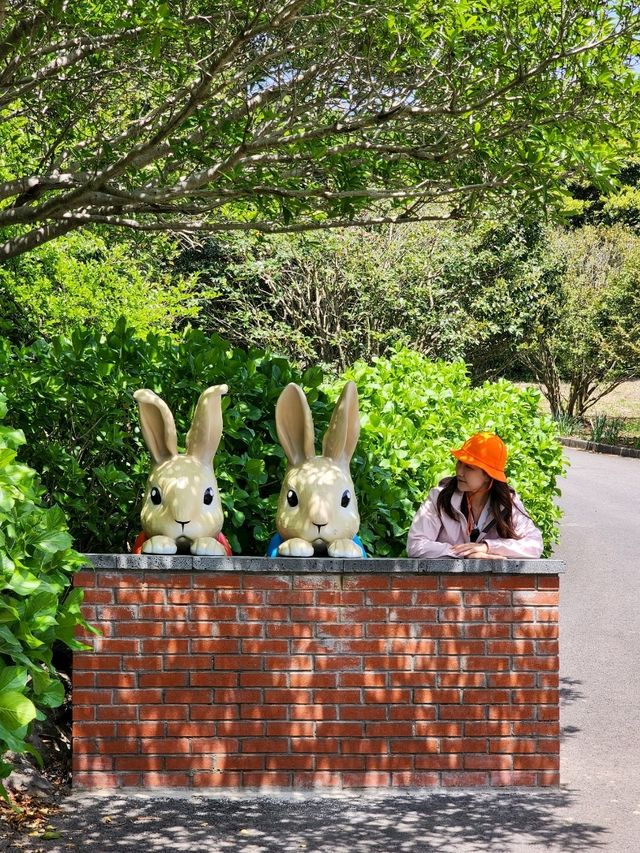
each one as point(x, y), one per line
point(472, 550)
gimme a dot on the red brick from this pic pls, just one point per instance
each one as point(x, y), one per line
point(547, 615)
point(464, 582)
point(194, 596)
point(451, 761)
point(547, 647)
point(163, 679)
point(275, 712)
point(310, 679)
point(549, 729)
point(235, 596)
point(389, 762)
point(191, 696)
point(548, 779)
point(88, 679)
point(532, 598)
point(213, 712)
point(464, 779)
point(214, 679)
point(368, 779)
point(258, 646)
point(360, 712)
point(366, 582)
point(551, 745)
point(317, 582)
point(291, 728)
point(512, 679)
point(255, 761)
point(392, 597)
point(266, 582)
point(310, 712)
point(210, 613)
point(487, 599)
point(463, 712)
point(414, 582)
point(463, 744)
point(113, 679)
point(512, 745)
point(142, 662)
point(496, 631)
point(260, 679)
point(339, 729)
point(92, 762)
point(386, 696)
point(225, 696)
point(292, 662)
point(486, 664)
point(480, 696)
point(513, 582)
point(155, 779)
point(392, 729)
point(462, 679)
point(487, 762)
point(197, 729)
point(221, 581)
point(92, 697)
point(538, 697)
point(330, 631)
point(271, 779)
point(97, 596)
point(141, 595)
point(507, 712)
point(461, 647)
point(164, 712)
point(101, 662)
point(113, 712)
point(83, 713)
point(511, 647)
point(494, 728)
point(277, 629)
point(235, 662)
point(146, 729)
point(214, 646)
point(298, 597)
point(223, 779)
point(287, 696)
point(511, 778)
point(165, 746)
point(548, 712)
point(549, 663)
point(290, 762)
point(548, 630)
point(408, 615)
point(94, 729)
point(444, 598)
point(166, 646)
point(85, 578)
point(432, 697)
point(245, 629)
point(412, 679)
point(342, 662)
point(535, 762)
point(511, 614)
point(432, 728)
point(95, 780)
point(413, 712)
point(365, 746)
point(416, 746)
point(548, 583)
point(138, 629)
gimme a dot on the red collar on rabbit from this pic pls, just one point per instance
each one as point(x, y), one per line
point(141, 538)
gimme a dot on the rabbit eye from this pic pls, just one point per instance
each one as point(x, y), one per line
point(208, 496)
point(156, 497)
point(292, 498)
point(346, 498)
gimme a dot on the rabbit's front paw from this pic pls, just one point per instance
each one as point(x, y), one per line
point(346, 548)
point(295, 548)
point(206, 546)
point(159, 545)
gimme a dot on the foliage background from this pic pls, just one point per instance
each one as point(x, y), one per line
point(73, 398)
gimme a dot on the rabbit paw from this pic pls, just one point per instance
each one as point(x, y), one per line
point(206, 546)
point(159, 545)
point(346, 548)
point(295, 548)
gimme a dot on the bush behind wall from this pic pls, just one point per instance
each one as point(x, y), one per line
point(73, 399)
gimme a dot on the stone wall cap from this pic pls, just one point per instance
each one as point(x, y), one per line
point(322, 565)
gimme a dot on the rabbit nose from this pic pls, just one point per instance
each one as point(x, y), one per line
point(324, 524)
point(183, 523)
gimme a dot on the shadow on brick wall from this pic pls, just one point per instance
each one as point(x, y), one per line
point(436, 821)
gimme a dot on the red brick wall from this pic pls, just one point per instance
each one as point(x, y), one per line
point(344, 680)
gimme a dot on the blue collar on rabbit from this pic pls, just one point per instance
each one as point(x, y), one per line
point(276, 540)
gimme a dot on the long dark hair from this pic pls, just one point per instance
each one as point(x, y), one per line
point(500, 499)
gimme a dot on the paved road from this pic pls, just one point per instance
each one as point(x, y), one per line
point(598, 806)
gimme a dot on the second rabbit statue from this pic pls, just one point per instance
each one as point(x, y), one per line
point(317, 509)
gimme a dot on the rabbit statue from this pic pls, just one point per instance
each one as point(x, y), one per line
point(182, 510)
point(317, 509)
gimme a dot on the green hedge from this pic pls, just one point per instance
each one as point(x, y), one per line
point(73, 399)
point(36, 605)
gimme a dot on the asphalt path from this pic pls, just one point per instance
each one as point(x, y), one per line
point(597, 806)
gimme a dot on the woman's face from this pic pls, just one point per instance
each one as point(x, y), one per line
point(470, 478)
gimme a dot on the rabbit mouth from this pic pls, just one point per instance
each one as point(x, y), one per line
point(183, 524)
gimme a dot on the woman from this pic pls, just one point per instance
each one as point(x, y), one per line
point(475, 514)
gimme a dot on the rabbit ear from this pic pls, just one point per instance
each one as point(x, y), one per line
point(206, 428)
point(294, 424)
point(341, 436)
point(158, 426)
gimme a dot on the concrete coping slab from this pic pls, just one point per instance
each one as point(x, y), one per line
point(321, 565)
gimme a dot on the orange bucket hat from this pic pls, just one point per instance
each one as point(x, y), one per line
point(485, 450)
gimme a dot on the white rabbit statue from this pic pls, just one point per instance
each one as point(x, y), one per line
point(182, 510)
point(317, 509)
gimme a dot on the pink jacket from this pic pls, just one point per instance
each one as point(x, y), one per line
point(431, 535)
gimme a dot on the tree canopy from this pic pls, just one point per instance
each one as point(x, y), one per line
point(198, 117)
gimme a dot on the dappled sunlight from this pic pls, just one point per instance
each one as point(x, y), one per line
point(348, 822)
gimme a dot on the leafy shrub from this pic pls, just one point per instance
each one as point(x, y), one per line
point(36, 606)
point(413, 412)
point(75, 402)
